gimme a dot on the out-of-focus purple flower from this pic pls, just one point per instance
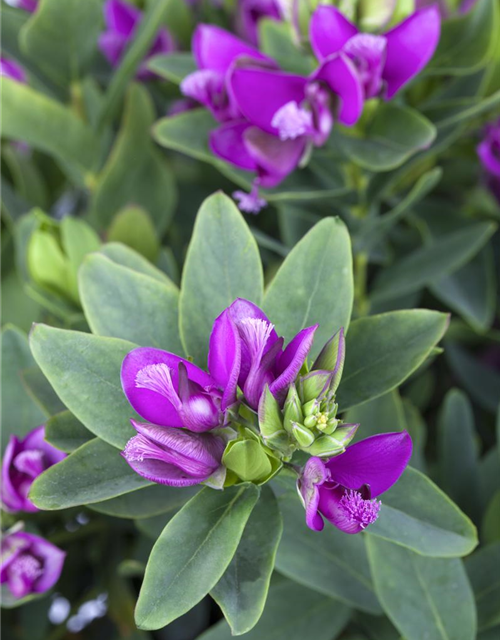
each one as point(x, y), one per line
point(29, 564)
point(181, 106)
point(172, 392)
point(26, 5)
point(489, 154)
point(174, 457)
point(343, 489)
point(23, 462)
point(250, 12)
point(122, 20)
point(385, 63)
point(10, 69)
point(263, 360)
point(444, 8)
point(216, 51)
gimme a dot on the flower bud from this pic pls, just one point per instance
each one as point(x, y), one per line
point(55, 252)
point(270, 421)
point(292, 410)
point(315, 385)
point(325, 447)
point(345, 433)
point(249, 459)
point(302, 435)
point(331, 358)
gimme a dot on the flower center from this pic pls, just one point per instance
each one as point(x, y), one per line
point(292, 121)
point(364, 512)
point(27, 566)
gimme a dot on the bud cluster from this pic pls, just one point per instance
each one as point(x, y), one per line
point(308, 419)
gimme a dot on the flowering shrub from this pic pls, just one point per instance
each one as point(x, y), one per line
point(281, 425)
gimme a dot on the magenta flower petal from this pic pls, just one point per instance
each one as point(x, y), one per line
point(29, 564)
point(121, 17)
point(23, 461)
point(216, 49)
point(377, 461)
point(228, 143)
point(224, 357)
point(489, 149)
point(173, 456)
point(291, 360)
point(10, 69)
point(314, 476)
point(275, 158)
point(341, 76)
point(410, 46)
point(112, 46)
point(260, 94)
point(329, 31)
point(153, 393)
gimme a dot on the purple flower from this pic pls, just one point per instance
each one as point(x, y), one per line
point(385, 63)
point(343, 489)
point(26, 5)
point(250, 13)
point(263, 360)
point(23, 462)
point(10, 69)
point(216, 51)
point(172, 392)
point(174, 457)
point(489, 154)
point(122, 20)
point(29, 564)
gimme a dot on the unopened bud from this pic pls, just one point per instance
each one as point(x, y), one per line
point(331, 358)
point(326, 446)
point(310, 422)
point(292, 409)
point(311, 408)
point(304, 437)
point(270, 421)
point(345, 433)
point(315, 385)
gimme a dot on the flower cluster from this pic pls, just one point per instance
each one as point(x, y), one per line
point(269, 119)
point(245, 418)
point(28, 564)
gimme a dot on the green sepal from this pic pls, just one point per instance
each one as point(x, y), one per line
point(292, 411)
point(270, 421)
point(332, 358)
point(249, 459)
point(325, 446)
point(304, 437)
point(315, 385)
point(345, 433)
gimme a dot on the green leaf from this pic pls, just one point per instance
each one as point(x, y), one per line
point(292, 613)
point(65, 432)
point(173, 66)
point(127, 257)
point(314, 285)
point(147, 502)
point(40, 390)
point(458, 453)
point(276, 39)
point(466, 41)
point(482, 569)
point(480, 381)
point(136, 172)
point(78, 239)
point(424, 597)
point(62, 37)
point(457, 111)
point(134, 227)
point(331, 562)
point(192, 553)
point(490, 525)
point(47, 125)
point(431, 262)
point(380, 415)
point(94, 472)
point(383, 350)
point(242, 591)
point(471, 291)
point(222, 264)
point(416, 514)
point(84, 371)
point(20, 413)
point(393, 135)
point(121, 303)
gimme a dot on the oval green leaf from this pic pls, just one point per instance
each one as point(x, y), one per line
point(192, 553)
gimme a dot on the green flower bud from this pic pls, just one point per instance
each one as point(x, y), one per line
point(47, 263)
point(326, 446)
point(292, 409)
point(304, 437)
point(248, 459)
point(270, 421)
point(310, 422)
point(331, 358)
point(315, 385)
point(311, 408)
point(345, 433)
